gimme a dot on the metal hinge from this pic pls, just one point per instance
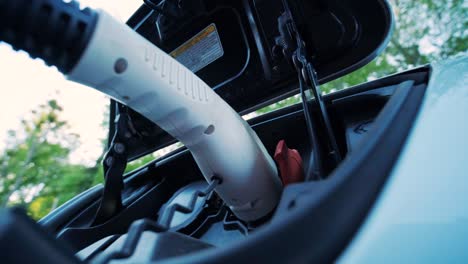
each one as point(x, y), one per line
point(294, 48)
point(114, 164)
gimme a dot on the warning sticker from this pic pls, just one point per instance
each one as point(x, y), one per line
point(200, 50)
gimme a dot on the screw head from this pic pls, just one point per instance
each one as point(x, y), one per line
point(109, 160)
point(119, 148)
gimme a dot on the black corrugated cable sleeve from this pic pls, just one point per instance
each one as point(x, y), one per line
point(53, 30)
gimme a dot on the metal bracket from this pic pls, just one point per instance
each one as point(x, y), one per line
point(114, 164)
point(308, 82)
point(308, 77)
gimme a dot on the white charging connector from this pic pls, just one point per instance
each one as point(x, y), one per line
point(130, 69)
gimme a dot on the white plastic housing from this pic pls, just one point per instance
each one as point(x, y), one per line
point(163, 90)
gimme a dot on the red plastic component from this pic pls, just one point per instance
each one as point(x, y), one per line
point(289, 163)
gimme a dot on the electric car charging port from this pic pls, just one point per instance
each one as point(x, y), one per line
point(206, 223)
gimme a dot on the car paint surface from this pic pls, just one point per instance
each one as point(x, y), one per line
point(421, 214)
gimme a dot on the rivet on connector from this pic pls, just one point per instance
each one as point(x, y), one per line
point(209, 130)
point(120, 65)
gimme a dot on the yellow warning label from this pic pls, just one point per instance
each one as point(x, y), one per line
point(200, 50)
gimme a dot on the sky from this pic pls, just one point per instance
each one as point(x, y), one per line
point(27, 83)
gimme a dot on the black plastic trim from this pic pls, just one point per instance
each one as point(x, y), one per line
point(24, 241)
point(55, 219)
point(80, 237)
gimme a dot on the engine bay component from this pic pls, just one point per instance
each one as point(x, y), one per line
point(190, 203)
point(289, 164)
point(163, 246)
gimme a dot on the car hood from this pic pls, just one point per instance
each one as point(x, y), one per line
point(235, 47)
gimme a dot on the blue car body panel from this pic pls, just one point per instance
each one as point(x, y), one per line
point(422, 213)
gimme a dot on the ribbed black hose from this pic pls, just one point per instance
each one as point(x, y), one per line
point(52, 30)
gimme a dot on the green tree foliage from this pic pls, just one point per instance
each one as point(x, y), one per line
point(139, 162)
point(35, 171)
